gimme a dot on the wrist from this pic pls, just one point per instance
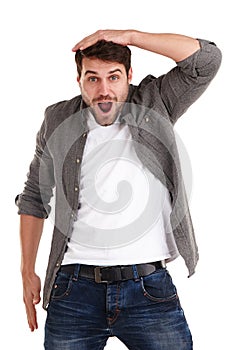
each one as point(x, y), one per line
point(27, 271)
point(132, 37)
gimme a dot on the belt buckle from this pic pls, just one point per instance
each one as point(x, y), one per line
point(98, 274)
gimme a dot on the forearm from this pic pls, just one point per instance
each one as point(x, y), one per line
point(31, 229)
point(175, 46)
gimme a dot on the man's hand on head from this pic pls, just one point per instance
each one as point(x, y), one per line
point(122, 37)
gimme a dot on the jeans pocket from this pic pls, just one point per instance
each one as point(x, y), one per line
point(62, 286)
point(158, 287)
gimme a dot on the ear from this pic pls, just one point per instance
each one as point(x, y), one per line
point(78, 79)
point(130, 75)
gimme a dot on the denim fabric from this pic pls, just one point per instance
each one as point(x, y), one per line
point(144, 313)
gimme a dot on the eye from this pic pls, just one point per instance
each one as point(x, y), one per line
point(114, 77)
point(92, 79)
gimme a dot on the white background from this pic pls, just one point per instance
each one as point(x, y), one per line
point(37, 69)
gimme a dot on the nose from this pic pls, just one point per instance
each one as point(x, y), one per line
point(104, 88)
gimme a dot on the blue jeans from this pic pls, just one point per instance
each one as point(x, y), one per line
point(144, 313)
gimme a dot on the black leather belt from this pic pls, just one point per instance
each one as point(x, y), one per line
point(108, 274)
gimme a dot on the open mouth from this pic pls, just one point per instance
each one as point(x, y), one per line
point(105, 106)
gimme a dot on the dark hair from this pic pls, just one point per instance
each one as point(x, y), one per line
point(106, 51)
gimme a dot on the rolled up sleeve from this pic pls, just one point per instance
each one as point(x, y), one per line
point(185, 83)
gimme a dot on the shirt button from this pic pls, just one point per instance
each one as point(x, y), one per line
point(76, 189)
point(147, 119)
point(78, 160)
point(84, 135)
point(57, 264)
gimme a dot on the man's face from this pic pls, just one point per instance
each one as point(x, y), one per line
point(104, 87)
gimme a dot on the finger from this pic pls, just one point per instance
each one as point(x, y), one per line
point(30, 303)
point(36, 299)
point(76, 47)
point(82, 45)
point(89, 41)
point(31, 316)
point(32, 325)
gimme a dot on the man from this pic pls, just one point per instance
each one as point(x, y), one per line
point(121, 211)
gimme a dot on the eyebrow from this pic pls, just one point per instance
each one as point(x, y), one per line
point(96, 73)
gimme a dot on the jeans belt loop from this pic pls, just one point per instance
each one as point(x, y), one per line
point(76, 270)
point(135, 273)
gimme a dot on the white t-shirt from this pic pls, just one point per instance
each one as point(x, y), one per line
point(124, 215)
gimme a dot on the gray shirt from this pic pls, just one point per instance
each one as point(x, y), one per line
point(151, 110)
